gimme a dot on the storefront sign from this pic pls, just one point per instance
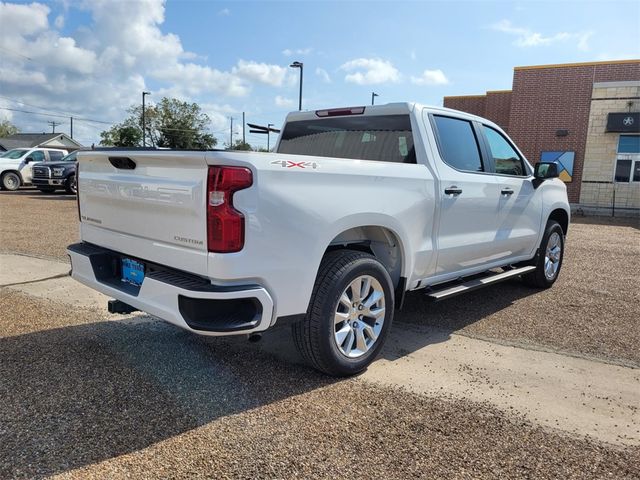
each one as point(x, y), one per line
point(624, 122)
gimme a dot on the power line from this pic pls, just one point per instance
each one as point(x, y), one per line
point(15, 53)
point(56, 115)
point(62, 113)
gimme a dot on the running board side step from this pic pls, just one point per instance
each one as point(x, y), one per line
point(476, 283)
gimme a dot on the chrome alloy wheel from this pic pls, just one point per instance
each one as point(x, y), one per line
point(552, 256)
point(359, 316)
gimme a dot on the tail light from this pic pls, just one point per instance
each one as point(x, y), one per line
point(338, 112)
point(225, 224)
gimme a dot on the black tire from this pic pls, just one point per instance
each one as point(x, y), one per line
point(538, 278)
point(314, 336)
point(47, 189)
point(70, 185)
point(11, 181)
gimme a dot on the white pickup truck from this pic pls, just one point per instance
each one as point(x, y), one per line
point(356, 207)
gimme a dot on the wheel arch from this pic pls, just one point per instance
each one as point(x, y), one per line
point(561, 216)
point(12, 170)
point(380, 241)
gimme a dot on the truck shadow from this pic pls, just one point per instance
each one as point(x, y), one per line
point(78, 395)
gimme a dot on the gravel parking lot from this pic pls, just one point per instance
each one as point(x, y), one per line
point(87, 396)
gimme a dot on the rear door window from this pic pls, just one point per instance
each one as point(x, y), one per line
point(55, 156)
point(458, 144)
point(37, 156)
point(385, 138)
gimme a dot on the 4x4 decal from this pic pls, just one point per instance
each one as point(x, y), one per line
point(290, 164)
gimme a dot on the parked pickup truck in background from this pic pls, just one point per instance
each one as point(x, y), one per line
point(356, 207)
point(50, 176)
point(16, 165)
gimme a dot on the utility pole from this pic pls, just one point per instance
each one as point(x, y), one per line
point(231, 134)
point(71, 118)
point(144, 122)
point(243, 137)
point(54, 124)
point(373, 96)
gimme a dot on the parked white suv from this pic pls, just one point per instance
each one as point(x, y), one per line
point(356, 207)
point(16, 165)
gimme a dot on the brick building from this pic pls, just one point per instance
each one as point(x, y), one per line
point(584, 115)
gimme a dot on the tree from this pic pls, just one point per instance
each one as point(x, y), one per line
point(122, 135)
point(7, 128)
point(240, 145)
point(171, 123)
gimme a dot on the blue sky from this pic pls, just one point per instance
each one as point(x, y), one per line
point(93, 58)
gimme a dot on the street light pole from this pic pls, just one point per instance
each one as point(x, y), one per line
point(144, 122)
point(269, 125)
point(299, 65)
point(373, 96)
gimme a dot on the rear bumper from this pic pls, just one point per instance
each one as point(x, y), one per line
point(186, 300)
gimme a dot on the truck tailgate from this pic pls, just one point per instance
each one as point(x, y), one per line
point(146, 204)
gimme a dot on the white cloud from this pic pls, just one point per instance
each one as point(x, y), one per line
point(287, 52)
point(526, 37)
point(283, 102)
point(323, 74)
point(100, 70)
point(370, 71)
point(268, 74)
point(430, 77)
point(225, 12)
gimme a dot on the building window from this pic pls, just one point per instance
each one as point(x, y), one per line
point(629, 144)
point(628, 163)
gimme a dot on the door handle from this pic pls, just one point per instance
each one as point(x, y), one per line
point(452, 190)
point(506, 191)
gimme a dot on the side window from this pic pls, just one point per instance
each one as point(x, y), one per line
point(55, 156)
point(37, 155)
point(458, 144)
point(506, 159)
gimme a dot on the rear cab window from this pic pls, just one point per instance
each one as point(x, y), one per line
point(384, 138)
point(458, 144)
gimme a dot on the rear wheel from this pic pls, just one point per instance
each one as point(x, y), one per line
point(349, 315)
point(549, 260)
point(11, 181)
point(71, 186)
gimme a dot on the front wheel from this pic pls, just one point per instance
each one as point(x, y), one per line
point(11, 181)
point(349, 315)
point(71, 185)
point(549, 260)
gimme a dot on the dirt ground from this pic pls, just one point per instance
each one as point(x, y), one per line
point(84, 397)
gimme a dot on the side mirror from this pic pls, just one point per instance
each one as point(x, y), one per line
point(29, 159)
point(545, 170)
